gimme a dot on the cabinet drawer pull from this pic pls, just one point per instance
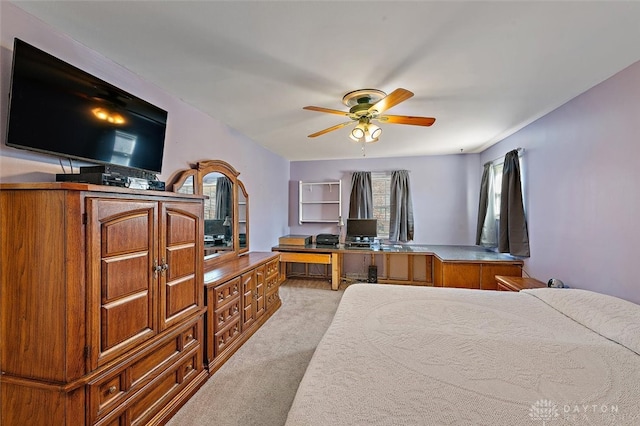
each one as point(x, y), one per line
point(221, 318)
point(189, 336)
point(188, 368)
point(220, 297)
point(112, 390)
point(235, 309)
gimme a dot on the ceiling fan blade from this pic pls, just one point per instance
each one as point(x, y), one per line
point(392, 99)
point(406, 119)
point(328, 110)
point(330, 129)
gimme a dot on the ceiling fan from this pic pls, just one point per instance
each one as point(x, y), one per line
point(367, 105)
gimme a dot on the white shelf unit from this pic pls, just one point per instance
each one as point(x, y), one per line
point(319, 202)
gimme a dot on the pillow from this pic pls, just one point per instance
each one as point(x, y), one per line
point(611, 317)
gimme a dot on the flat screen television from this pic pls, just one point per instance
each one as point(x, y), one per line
point(58, 109)
point(362, 227)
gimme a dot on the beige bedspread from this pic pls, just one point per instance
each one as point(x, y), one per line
point(401, 355)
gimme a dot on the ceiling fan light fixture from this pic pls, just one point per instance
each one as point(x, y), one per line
point(359, 131)
point(374, 131)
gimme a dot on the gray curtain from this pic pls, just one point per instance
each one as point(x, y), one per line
point(223, 198)
point(486, 234)
point(401, 214)
point(513, 234)
point(361, 200)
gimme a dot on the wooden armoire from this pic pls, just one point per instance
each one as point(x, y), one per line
point(101, 304)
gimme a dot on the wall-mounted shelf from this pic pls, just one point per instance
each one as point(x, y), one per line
point(319, 202)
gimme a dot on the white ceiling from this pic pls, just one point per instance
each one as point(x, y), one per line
point(483, 69)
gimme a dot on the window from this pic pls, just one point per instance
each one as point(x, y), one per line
point(381, 188)
point(497, 187)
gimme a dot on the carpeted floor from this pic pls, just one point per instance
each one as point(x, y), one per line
point(256, 386)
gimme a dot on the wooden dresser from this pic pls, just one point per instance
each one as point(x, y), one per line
point(102, 307)
point(240, 296)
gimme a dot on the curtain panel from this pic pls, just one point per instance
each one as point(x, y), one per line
point(513, 234)
point(486, 233)
point(223, 198)
point(361, 199)
point(401, 212)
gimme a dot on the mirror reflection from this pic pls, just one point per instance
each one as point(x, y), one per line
point(218, 213)
point(242, 217)
point(187, 187)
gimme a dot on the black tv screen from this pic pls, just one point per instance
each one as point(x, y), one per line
point(58, 109)
point(362, 227)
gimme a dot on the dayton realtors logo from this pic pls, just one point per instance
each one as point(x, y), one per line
point(544, 410)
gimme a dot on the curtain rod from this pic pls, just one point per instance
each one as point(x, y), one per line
point(520, 151)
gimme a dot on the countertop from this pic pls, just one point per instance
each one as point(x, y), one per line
point(447, 253)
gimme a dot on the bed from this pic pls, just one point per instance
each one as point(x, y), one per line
point(401, 355)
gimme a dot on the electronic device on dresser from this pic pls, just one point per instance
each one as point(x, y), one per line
point(361, 233)
point(113, 175)
point(58, 109)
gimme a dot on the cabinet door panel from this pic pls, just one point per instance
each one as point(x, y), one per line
point(124, 319)
point(180, 261)
point(181, 282)
point(181, 294)
point(461, 275)
point(398, 267)
point(422, 268)
point(126, 275)
point(121, 246)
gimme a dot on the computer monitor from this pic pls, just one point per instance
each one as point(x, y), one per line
point(362, 227)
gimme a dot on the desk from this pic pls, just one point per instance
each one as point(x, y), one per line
point(312, 254)
point(444, 266)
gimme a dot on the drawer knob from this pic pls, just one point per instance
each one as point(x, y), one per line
point(189, 336)
point(220, 297)
point(235, 309)
point(112, 390)
point(221, 318)
point(189, 367)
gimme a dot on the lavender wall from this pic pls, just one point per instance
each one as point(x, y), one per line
point(191, 135)
point(582, 172)
point(444, 191)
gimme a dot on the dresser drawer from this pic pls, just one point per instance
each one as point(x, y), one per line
point(273, 298)
point(272, 283)
point(228, 335)
point(116, 385)
point(226, 314)
point(224, 293)
point(272, 267)
point(160, 392)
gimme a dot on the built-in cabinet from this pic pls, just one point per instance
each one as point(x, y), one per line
point(102, 309)
point(406, 268)
point(477, 275)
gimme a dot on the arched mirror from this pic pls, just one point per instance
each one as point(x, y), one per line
point(225, 208)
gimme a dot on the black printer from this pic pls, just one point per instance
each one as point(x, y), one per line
point(327, 240)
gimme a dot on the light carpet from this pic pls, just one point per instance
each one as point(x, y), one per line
point(256, 386)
